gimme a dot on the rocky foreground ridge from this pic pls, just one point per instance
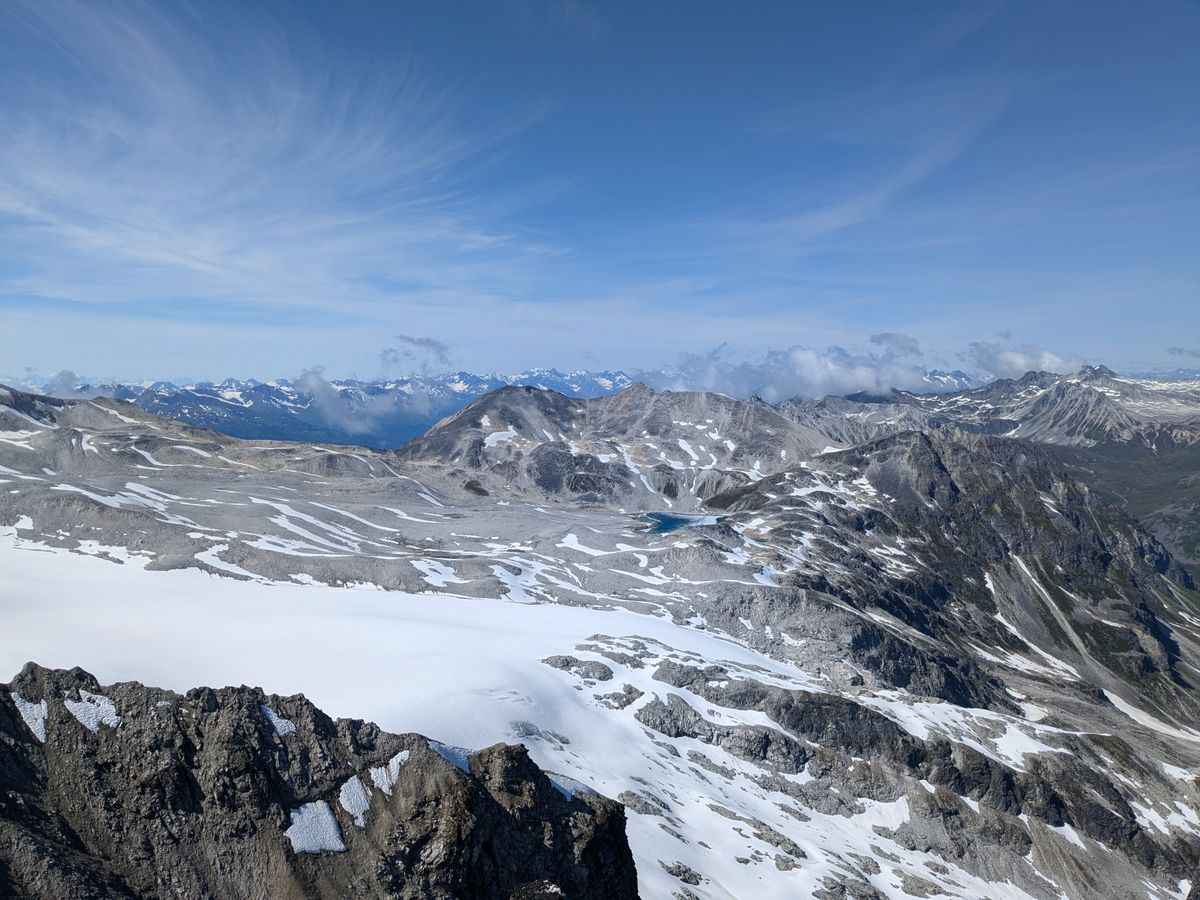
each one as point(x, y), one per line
point(132, 791)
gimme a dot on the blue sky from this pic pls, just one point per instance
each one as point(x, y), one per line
point(212, 189)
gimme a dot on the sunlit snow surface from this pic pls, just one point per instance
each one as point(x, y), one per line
point(467, 672)
point(314, 829)
point(355, 800)
point(93, 710)
point(33, 714)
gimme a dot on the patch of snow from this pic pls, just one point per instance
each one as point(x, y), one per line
point(281, 725)
point(314, 829)
point(354, 799)
point(457, 756)
point(571, 542)
point(34, 715)
point(212, 557)
point(1177, 772)
point(436, 573)
point(568, 786)
point(384, 777)
point(1149, 721)
point(93, 710)
point(195, 450)
point(499, 437)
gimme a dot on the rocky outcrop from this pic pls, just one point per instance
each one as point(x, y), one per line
point(130, 791)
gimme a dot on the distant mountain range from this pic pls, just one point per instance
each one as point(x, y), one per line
point(1134, 440)
point(381, 413)
point(1082, 409)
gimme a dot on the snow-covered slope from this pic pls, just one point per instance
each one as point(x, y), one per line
point(647, 710)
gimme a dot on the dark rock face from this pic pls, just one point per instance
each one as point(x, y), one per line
point(129, 791)
point(964, 506)
point(586, 669)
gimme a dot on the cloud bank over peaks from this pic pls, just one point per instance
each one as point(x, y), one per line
point(1005, 360)
point(886, 361)
point(894, 361)
point(354, 416)
point(801, 371)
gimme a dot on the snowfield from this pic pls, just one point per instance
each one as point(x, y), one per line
point(466, 671)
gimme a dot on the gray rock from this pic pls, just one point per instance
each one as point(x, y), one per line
point(141, 792)
point(589, 670)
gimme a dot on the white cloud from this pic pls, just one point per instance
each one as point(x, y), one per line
point(1013, 361)
point(803, 372)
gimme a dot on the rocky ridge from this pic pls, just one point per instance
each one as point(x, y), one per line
point(130, 791)
point(1092, 406)
point(1136, 440)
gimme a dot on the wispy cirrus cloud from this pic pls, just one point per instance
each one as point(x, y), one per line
point(216, 187)
point(918, 154)
point(142, 161)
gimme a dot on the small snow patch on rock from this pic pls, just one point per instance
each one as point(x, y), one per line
point(282, 726)
point(34, 715)
point(93, 710)
point(355, 800)
point(385, 777)
point(315, 830)
point(499, 437)
point(458, 756)
point(567, 786)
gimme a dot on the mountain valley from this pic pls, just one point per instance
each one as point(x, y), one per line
point(871, 647)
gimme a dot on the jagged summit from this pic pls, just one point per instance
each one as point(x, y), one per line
point(1084, 408)
point(126, 790)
